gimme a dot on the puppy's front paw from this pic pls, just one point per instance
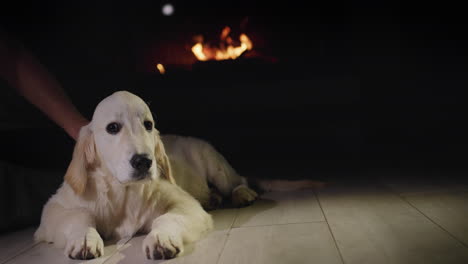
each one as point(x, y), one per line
point(87, 246)
point(242, 196)
point(161, 245)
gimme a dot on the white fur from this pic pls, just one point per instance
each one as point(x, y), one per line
point(99, 199)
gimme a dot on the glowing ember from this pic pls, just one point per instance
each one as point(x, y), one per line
point(160, 68)
point(226, 50)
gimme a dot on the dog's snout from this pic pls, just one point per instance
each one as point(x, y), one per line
point(141, 162)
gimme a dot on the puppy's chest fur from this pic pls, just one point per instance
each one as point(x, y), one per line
point(122, 211)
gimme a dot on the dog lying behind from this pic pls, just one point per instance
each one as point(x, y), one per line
point(204, 173)
point(118, 183)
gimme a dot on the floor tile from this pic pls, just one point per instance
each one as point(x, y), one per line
point(281, 208)
point(373, 225)
point(289, 243)
point(224, 218)
point(449, 210)
point(14, 243)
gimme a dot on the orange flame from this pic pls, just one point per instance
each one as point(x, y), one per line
point(160, 68)
point(226, 50)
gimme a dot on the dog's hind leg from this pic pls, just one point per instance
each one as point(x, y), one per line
point(230, 184)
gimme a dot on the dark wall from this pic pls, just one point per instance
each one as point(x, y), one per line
point(356, 86)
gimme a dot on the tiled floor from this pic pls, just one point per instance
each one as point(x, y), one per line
point(392, 220)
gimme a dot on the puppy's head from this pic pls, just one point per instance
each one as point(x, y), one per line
point(123, 140)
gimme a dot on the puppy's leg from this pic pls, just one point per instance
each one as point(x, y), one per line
point(165, 239)
point(227, 180)
point(236, 187)
point(73, 229)
point(243, 196)
point(215, 201)
point(183, 220)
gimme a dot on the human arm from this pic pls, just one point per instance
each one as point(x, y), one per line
point(35, 83)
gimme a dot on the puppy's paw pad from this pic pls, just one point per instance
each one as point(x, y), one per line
point(243, 196)
point(158, 245)
point(86, 246)
point(86, 253)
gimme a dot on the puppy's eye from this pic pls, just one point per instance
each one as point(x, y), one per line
point(148, 125)
point(113, 128)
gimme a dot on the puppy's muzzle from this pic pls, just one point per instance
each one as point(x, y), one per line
point(141, 163)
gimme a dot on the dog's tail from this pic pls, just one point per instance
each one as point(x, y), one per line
point(268, 185)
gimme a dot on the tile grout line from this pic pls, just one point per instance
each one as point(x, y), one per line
point(329, 227)
point(294, 223)
point(227, 236)
point(21, 252)
point(426, 216)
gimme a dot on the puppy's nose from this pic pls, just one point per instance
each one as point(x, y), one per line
point(140, 162)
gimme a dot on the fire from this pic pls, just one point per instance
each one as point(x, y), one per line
point(197, 49)
point(226, 49)
point(160, 68)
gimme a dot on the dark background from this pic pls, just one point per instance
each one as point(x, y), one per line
point(355, 86)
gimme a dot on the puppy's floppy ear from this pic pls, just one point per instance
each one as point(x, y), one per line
point(162, 160)
point(84, 156)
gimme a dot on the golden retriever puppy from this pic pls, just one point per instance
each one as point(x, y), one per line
point(118, 183)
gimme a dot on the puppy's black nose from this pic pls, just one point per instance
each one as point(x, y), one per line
point(140, 162)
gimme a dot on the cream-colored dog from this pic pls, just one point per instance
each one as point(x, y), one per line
point(120, 182)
